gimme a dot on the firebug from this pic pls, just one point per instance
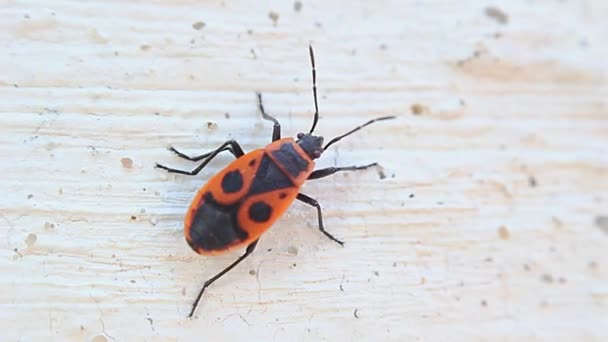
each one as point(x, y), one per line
point(242, 201)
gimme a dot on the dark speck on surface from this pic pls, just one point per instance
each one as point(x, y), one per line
point(199, 25)
point(418, 109)
point(546, 278)
point(274, 16)
point(503, 232)
point(127, 163)
point(602, 223)
point(497, 14)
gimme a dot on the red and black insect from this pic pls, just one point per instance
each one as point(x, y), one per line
point(239, 203)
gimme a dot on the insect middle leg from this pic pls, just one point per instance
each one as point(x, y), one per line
point(249, 250)
point(331, 170)
point(315, 203)
point(230, 145)
point(202, 156)
point(276, 129)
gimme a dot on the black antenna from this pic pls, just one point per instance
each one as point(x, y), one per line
point(338, 138)
point(314, 88)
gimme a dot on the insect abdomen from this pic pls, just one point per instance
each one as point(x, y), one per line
point(214, 227)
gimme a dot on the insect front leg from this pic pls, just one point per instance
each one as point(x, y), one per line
point(331, 170)
point(249, 250)
point(315, 203)
point(230, 145)
point(276, 129)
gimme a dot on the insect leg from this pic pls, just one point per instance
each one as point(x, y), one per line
point(202, 156)
point(231, 145)
point(276, 129)
point(316, 174)
point(249, 250)
point(315, 203)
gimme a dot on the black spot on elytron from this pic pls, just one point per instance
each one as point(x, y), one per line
point(232, 182)
point(215, 226)
point(260, 212)
point(252, 162)
point(282, 195)
point(269, 177)
point(290, 159)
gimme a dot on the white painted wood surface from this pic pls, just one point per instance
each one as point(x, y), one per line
point(491, 223)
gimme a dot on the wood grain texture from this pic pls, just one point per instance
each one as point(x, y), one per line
point(490, 223)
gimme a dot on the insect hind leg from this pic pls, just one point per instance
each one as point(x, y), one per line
point(230, 145)
point(249, 250)
point(276, 129)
